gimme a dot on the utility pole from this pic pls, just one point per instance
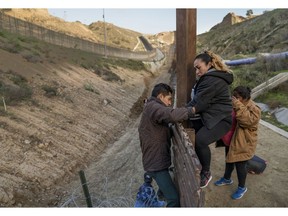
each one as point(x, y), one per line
point(105, 49)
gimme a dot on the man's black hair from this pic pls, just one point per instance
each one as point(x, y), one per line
point(161, 88)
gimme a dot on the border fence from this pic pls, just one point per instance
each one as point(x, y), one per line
point(187, 167)
point(18, 26)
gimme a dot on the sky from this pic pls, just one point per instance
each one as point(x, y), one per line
point(149, 20)
point(147, 16)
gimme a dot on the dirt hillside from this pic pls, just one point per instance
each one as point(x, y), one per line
point(71, 116)
point(115, 36)
point(42, 18)
point(113, 180)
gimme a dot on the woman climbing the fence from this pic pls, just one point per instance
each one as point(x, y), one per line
point(212, 101)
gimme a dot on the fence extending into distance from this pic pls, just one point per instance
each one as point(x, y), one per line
point(18, 26)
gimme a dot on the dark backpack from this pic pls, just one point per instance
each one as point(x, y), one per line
point(256, 165)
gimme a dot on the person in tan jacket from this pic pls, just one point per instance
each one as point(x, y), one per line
point(244, 139)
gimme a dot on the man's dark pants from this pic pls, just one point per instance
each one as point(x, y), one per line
point(167, 187)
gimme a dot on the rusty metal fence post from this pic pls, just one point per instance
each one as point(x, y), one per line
point(187, 165)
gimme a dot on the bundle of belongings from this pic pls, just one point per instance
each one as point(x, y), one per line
point(256, 165)
point(146, 196)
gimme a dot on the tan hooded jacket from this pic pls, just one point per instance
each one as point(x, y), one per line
point(244, 140)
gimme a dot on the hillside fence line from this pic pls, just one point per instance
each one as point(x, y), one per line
point(25, 28)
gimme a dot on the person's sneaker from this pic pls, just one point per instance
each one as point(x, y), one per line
point(239, 193)
point(205, 179)
point(222, 181)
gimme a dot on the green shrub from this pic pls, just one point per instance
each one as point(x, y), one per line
point(3, 34)
point(275, 97)
point(17, 79)
point(266, 116)
point(107, 75)
point(90, 87)
point(129, 64)
point(50, 91)
point(259, 72)
point(32, 58)
point(12, 48)
point(14, 94)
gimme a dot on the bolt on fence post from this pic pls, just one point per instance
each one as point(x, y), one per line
point(85, 188)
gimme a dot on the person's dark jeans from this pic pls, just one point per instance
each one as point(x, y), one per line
point(167, 187)
point(241, 168)
point(204, 137)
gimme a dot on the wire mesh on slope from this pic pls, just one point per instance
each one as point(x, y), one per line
point(105, 194)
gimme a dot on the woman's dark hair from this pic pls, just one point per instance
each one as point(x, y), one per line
point(205, 57)
point(216, 61)
point(161, 88)
point(242, 91)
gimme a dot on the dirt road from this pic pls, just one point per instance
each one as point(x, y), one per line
point(266, 190)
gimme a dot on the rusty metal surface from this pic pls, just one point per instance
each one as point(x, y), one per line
point(185, 53)
point(187, 169)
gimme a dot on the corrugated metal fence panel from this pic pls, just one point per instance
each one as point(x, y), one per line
point(187, 168)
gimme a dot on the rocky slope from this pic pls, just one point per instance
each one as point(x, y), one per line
point(69, 116)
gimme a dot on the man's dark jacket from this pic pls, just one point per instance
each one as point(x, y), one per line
point(154, 133)
point(212, 99)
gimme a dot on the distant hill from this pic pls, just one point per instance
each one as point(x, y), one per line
point(116, 36)
point(234, 37)
point(42, 18)
point(162, 39)
point(265, 33)
point(229, 20)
